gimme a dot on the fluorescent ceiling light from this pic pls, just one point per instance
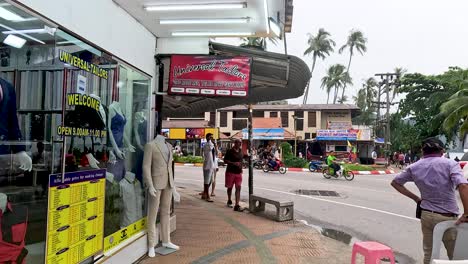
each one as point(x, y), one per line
point(213, 34)
point(22, 34)
point(45, 30)
point(69, 42)
point(26, 31)
point(15, 41)
point(8, 15)
point(275, 27)
point(204, 21)
point(191, 7)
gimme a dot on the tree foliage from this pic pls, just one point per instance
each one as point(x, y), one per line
point(434, 105)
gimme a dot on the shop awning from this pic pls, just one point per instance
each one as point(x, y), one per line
point(274, 77)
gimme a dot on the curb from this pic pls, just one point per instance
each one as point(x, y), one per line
point(375, 172)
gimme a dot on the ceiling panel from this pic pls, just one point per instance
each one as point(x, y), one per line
point(254, 10)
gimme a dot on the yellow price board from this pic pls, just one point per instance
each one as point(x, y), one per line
point(75, 221)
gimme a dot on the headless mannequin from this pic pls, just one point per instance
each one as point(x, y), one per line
point(114, 109)
point(93, 162)
point(3, 202)
point(140, 118)
point(21, 158)
point(157, 172)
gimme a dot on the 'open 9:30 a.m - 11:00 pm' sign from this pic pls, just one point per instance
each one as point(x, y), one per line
point(209, 76)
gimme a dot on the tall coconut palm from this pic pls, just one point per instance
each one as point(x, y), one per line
point(356, 41)
point(336, 78)
point(320, 46)
point(455, 111)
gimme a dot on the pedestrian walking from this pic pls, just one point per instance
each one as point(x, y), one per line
point(233, 159)
point(208, 166)
point(437, 179)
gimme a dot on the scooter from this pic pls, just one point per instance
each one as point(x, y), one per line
point(279, 167)
point(316, 166)
point(328, 173)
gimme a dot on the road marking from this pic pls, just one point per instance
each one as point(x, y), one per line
point(328, 201)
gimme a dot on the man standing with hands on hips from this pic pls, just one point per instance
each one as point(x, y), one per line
point(438, 179)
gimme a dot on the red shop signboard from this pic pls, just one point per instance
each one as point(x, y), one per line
point(209, 76)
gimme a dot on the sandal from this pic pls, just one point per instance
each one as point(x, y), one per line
point(237, 208)
point(209, 200)
point(229, 204)
point(213, 194)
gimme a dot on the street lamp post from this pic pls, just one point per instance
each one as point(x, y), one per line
point(250, 145)
point(295, 135)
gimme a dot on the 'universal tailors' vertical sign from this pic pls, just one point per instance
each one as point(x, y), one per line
point(209, 76)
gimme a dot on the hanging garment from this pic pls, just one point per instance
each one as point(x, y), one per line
point(9, 127)
point(112, 208)
point(132, 202)
point(13, 224)
point(118, 122)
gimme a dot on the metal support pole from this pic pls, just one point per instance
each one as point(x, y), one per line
point(250, 146)
point(387, 129)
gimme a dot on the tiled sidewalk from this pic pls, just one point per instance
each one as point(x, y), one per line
point(214, 233)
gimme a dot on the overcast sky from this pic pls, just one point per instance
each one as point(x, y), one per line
point(425, 36)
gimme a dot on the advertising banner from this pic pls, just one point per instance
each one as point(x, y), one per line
point(264, 133)
point(75, 222)
point(209, 76)
point(195, 133)
point(337, 135)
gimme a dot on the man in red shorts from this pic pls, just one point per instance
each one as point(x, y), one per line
point(233, 159)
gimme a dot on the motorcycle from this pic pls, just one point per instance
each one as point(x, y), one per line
point(279, 167)
point(258, 164)
point(329, 172)
point(315, 166)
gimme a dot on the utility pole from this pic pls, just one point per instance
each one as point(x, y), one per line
point(388, 80)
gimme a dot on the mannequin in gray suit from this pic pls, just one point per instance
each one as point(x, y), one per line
point(157, 174)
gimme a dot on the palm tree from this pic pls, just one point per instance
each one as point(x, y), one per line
point(356, 41)
point(320, 46)
point(455, 111)
point(364, 100)
point(257, 42)
point(336, 78)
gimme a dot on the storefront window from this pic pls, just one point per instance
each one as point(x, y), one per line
point(66, 108)
point(30, 109)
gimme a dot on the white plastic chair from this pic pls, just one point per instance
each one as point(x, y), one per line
point(461, 244)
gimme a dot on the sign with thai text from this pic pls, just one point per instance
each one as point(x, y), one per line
point(209, 76)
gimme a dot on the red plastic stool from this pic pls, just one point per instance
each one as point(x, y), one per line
point(373, 252)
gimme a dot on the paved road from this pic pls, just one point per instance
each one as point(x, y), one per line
point(367, 208)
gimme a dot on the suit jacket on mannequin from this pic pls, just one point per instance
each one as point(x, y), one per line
point(157, 167)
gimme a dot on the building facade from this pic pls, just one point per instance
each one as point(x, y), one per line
point(303, 120)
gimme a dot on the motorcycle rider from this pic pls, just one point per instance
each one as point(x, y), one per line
point(331, 162)
point(272, 162)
